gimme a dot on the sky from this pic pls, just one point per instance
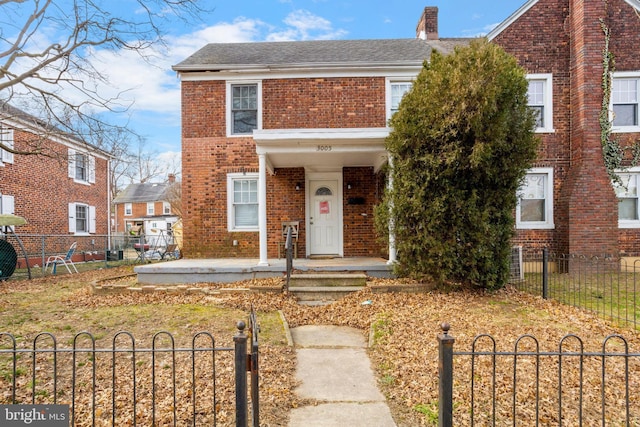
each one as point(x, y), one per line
point(153, 89)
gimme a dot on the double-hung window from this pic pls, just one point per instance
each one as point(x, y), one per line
point(82, 167)
point(540, 100)
point(625, 88)
point(395, 92)
point(627, 193)
point(151, 208)
point(166, 208)
point(82, 218)
point(128, 209)
point(535, 200)
point(242, 203)
point(243, 107)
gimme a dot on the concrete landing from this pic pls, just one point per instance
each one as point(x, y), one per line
point(334, 370)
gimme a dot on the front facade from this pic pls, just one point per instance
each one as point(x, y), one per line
point(294, 131)
point(64, 192)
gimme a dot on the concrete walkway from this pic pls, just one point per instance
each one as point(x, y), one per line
point(335, 371)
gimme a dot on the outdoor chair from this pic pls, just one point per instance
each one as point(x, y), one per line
point(65, 260)
point(294, 225)
point(170, 251)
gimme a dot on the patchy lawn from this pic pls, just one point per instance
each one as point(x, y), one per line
point(403, 327)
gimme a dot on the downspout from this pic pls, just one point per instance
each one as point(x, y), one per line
point(392, 236)
point(109, 205)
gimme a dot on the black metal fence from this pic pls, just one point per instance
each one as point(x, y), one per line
point(131, 385)
point(530, 387)
point(609, 286)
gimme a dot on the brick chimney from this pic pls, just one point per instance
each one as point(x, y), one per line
point(171, 178)
point(427, 28)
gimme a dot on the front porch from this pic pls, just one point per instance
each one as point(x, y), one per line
point(227, 270)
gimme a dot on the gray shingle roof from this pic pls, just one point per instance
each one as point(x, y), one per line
point(219, 56)
point(140, 193)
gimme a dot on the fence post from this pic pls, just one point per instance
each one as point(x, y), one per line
point(241, 375)
point(545, 273)
point(445, 377)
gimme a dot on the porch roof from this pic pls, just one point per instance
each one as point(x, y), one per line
point(322, 149)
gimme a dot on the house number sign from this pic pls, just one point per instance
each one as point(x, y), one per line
point(323, 148)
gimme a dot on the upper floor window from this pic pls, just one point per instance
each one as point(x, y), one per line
point(395, 92)
point(6, 138)
point(540, 99)
point(128, 209)
point(624, 102)
point(166, 208)
point(242, 202)
point(151, 208)
point(627, 193)
point(535, 200)
point(82, 167)
point(244, 108)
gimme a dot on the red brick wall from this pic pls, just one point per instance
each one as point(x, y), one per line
point(138, 210)
point(42, 189)
point(565, 38)
point(208, 156)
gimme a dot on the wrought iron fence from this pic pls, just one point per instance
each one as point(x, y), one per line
point(528, 386)
point(131, 385)
point(608, 286)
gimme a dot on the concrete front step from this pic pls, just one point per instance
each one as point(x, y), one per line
point(300, 280)
point(322, 293)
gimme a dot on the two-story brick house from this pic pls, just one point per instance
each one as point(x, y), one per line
point(63, 192)
point(294, 131)
point(146, 208)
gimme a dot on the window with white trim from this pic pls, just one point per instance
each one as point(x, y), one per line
point(82, 167)
point(535, 200)
point(540, 99)
point(128, 209)
point(395, 92)
point(244, 109)
point(8, 206)
point(166, 208)
point(6, 138)
point(151, 208)
point(82, 218)
point(627, 193)
point(242, 202)
point(625, 99)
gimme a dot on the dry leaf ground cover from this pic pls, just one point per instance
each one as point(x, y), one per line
point(403, 328)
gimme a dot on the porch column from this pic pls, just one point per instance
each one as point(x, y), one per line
point(392, 236)
point(262, 208)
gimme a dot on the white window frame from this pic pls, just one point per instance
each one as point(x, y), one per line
point(91, 219)
point(128, 209)
point(629, 223)
point(166, 208)
point(389, 83)
point(547, 105)
point(151, 208)
point(8, 206)
point(548, 223)
point(231, 178)
point(627, 75)
point(229, 98)
point(91, 167)
point(7, 139)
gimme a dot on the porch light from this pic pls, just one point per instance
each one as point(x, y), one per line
point(298, 186)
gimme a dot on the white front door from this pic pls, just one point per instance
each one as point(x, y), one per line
point(324, 217)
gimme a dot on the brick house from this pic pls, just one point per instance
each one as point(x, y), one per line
point(65, 192)
point(145, 207)
point(294, 131)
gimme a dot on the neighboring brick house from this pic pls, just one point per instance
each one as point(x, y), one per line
point(285, 131)
point(146, 208)
point(63, 192)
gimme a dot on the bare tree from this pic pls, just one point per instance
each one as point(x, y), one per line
point(45, 50)
point(174, 197)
